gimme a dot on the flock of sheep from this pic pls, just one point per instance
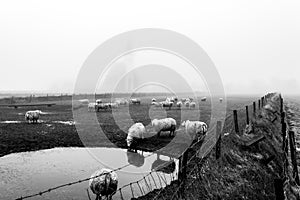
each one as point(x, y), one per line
point(169, 102)
point(99, 105)
point(174, 102)
point(137, 131)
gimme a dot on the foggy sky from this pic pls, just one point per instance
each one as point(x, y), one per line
point(254, 44)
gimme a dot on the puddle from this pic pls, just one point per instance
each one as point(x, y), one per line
point(31, 172)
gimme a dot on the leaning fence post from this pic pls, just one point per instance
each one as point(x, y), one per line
point(278, 188)
point(247, 115)
point(182, 170)
point(254, 108)
point(293, 156)
point(235, 118)
point(218, 138)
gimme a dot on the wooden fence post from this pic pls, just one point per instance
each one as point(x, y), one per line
point(247, 115)
point(12, 100)
point(236, 125)
point(254, 108)
point(262, 102)
point(281, 104)
point(182, 170)
point(258, 104)
point(30, 98)
point(218, 138)
point(293, 156)
point(278, 188)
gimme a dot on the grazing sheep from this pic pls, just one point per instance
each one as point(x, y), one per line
point(179, 104)
point(135, 133)
point(135, 101)
point(221, 100)
point(203, 99)
point(196, 129)
point(102, 106)
point(187, 104)
point(156, 104)
point(167, 124)
point(121, 101)
point(166, 104)
point(98, 101)
point(32, 116)
point(92, 107)
point(104, 183)
point(192, 105)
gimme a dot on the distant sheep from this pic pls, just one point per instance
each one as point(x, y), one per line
point(187, 104)
point(98, 101)
point(167, 124)
point(195, 129)
point(166, 104)
point(102, 106)
point(221, 100)
point(92, 107)
point(192, 105)
point(121, 101)
point(135, 133)
point(104, 183)
point(179, 104)
point(153, 100)
point(32, 116)
point(203, 99)
point(135, 101)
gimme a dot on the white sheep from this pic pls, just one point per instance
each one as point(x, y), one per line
point(104, 183)
point(32, 116)
point(92, 106)
point(166, 124)
point(135, 101)
point(98, 101)
point(135, 133)
point(121, 101)
point(179, 104)
point(196, 129)
point(167, 104)
point(192, 105)
point(203, 99)
point(187, 104)
point(221, 100)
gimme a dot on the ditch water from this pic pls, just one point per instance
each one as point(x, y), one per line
point(26, 173)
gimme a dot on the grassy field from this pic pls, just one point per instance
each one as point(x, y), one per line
point(51, 132)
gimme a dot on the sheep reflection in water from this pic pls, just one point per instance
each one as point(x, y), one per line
point(136, 159)
point(167, 167)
